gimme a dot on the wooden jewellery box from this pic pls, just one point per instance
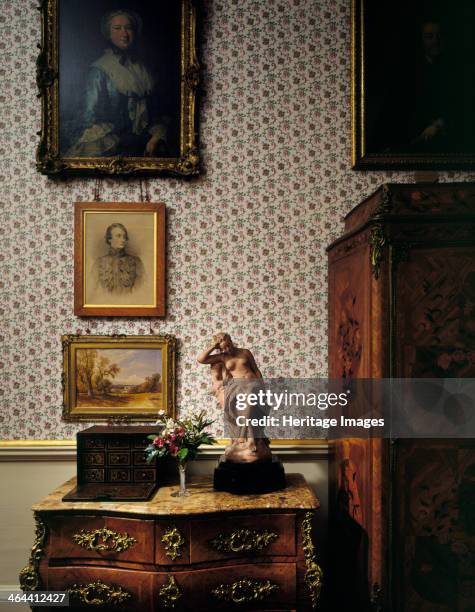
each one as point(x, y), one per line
point(112, 465)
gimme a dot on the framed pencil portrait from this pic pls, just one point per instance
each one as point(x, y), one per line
point(118, 377)
point(413, 85)
point(118, 82)
point(119, 259)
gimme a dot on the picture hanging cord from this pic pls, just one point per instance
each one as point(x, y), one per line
point(144, 190)
point(98, 185)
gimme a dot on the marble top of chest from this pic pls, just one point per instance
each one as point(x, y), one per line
point(203, 500)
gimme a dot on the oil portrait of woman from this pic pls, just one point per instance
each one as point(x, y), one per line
point(119, 85)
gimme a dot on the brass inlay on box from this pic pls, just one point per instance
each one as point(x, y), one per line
point(93, 459)
point(313, 574)
point(104, 540)
point(98, 594)
point(173, 541)
point(246, 590)
point(95, 444)
point(243, 540)
point(94, 475)
point(169, 593)
point(119, 459)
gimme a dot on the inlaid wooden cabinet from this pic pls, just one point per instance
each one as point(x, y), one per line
point(402, 304)
point(210, 551)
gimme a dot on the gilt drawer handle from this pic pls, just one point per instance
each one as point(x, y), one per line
point(104, 540)
point(173, 541)
point(169, 593)
point(243, 540)
point(98, 594)
point(246, 590)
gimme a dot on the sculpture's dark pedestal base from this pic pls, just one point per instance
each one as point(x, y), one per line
point(241, 478)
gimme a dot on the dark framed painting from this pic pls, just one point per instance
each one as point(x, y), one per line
point(119, 259)
point(118, 81)
point(122, 378)
point(413, 84)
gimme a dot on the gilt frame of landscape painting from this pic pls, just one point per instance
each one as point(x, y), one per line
point(118, 378)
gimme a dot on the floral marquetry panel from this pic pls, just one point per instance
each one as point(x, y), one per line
point(434, 525)
point(436, 321)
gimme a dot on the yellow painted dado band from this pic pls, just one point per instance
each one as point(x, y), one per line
point(16, 443)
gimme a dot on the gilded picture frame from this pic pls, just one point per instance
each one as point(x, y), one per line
point(413, 88)
point(118, 378)
point(118, 85)
point(119, 259)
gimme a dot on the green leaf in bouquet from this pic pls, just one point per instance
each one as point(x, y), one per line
point(183, 454)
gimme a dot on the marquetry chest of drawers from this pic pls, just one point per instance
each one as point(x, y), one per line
point(209, 551)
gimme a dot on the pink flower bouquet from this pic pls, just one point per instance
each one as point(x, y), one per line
point(181, 438)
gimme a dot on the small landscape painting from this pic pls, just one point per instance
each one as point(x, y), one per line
point(118, 378)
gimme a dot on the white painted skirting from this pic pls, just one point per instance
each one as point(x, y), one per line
point(8, 607)
point(9, 587)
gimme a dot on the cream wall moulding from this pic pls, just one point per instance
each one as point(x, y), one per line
point(60, 450)
point(118, 88)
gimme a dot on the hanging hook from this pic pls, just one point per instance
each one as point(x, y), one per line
point(147, 190)
point(97, 189)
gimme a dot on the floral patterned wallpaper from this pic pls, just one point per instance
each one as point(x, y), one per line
point(246, 239)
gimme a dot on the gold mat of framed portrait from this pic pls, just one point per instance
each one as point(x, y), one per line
point(119, 259)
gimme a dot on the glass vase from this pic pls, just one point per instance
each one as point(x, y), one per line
point(182, 491)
